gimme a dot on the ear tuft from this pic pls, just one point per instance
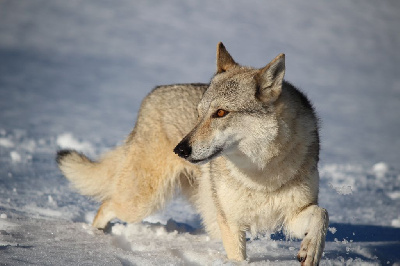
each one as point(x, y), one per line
point(224, 59)
point(270, 79)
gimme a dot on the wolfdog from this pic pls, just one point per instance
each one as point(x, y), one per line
point(244, 150)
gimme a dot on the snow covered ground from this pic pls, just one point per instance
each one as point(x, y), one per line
point(73, 74)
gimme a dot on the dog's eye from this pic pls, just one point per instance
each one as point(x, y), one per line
point(221, 113)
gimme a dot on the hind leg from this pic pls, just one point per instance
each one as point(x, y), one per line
point(146, 178)
point(104, 215)
point(146, 181)
point(310, 224)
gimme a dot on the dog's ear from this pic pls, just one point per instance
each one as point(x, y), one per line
point(270, 78)
point(224, 59)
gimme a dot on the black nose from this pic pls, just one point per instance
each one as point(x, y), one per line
point(183, 149)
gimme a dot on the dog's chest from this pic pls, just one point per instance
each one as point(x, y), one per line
point(256, 210)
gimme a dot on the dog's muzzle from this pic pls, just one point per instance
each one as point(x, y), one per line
point(183, 149)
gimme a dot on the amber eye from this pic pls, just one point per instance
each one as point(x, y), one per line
point(221, 113)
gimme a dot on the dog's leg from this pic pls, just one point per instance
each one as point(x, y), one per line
point(311, 224)
point(104, 215)
point(233, 238)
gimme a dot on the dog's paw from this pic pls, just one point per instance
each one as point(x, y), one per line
point(310, 252)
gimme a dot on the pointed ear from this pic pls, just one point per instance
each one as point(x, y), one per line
point(224, 59)
point(270, 78)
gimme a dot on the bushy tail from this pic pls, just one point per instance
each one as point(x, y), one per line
point(89, 177)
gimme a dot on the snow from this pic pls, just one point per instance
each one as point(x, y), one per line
point(73, 74)
point(6, 143)
point(333, 230)
point(380, 169)
point(15, 157)
point(67, 141)
point(396, 222)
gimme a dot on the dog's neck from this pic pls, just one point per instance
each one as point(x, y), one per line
point(250, 173)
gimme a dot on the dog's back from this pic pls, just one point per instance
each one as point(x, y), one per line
point(171, 107)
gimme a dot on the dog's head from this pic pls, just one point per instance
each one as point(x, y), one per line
point(237, 112)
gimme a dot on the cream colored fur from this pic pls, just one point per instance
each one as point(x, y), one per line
point(252, 167)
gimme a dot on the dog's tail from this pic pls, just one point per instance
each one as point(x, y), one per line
point(89, 177)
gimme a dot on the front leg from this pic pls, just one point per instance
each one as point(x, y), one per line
point(312, 224)
point(233, 238)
